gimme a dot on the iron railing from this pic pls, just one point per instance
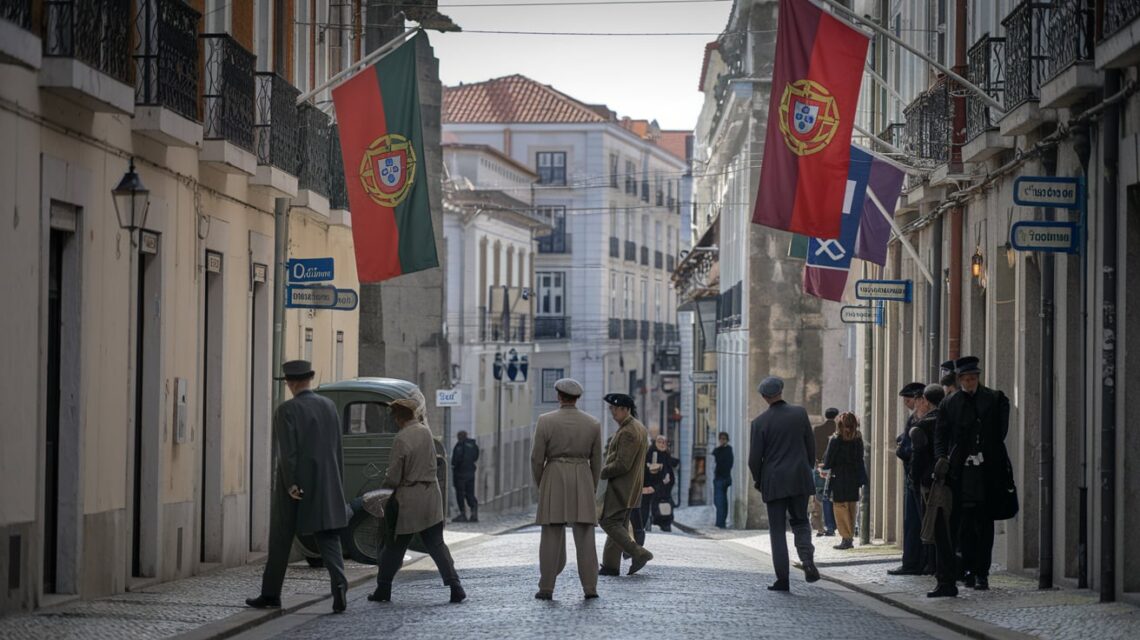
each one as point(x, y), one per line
point(166, 56)
point(615, 328)
point(1025, 53)
point(277, 121)
point(615, 247)
point(558, 241)
point(1119, 14)
point(18, 12)
point(313, 171)
point(629, 329)
point(338, 189)
point(928, 123)
point(986, 63)
point(630, 251)
point(95, 32)
point(227, 92)
point(551, 328)
point(1069, 34)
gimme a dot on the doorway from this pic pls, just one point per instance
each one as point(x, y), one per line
point(210, 498)
point(148, 408)
point(260, 389)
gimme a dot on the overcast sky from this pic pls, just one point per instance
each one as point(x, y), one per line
point(645, 77)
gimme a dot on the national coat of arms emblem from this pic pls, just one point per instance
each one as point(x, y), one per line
point(388, 169)
point(809, 117)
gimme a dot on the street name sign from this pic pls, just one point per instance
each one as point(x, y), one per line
point(448, 398)
point(861, 315)
point(310, 297)
point(310, 269)
point(1055, 237)
point(892, 290)
point(1046, 191)
point(346, 300)
point(704, 377)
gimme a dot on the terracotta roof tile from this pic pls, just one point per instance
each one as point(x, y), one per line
point(514, 98)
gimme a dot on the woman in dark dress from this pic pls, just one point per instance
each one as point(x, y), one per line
point(843, 463)
point(660, 478)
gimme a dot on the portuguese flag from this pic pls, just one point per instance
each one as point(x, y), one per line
point(381, 141)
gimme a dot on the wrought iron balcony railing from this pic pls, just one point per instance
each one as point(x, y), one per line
point(227, 91)
point(1119, 14)
point(986, 60)
point(338, 189)
point(614, 328)
point(615, 247)
point(551, 328)
point(166, 56)
point(1025, 52)
point(557, 242)
point(1069, 34)
point(928, 123)
point(95, 32)
point(313, 171)
point(630, 251)
point(629, 329)
point(277, 121)
point(18, 12)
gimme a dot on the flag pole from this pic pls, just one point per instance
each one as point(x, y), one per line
point(373, 56)
point(993, 104)
point(898, 234)
point(905, 168)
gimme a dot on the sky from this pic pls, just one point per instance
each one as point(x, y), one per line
point(643, 77)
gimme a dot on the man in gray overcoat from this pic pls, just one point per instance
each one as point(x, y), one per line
point(566, 461)
point(307, 495)
point(624, 473)
point(781, 461)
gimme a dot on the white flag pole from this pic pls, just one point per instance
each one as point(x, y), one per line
point(898, 234)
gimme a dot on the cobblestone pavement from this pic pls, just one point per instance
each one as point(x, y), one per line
point(694, 588)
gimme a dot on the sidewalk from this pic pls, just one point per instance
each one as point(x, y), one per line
point(212, 605)
point(1013, 608)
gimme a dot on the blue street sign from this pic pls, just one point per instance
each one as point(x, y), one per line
point(346, 300)
point(310, 269)
point(1054, 237)
point(310, 297)
point(891, 290)
point(1047, 191)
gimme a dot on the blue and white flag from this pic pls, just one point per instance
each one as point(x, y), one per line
point(829, 261)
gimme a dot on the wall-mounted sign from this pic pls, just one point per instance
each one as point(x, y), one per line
point(704, 377)
point(1045, 191)
point(1056, 237)
point(310, 269)
point(346, 300)
point(448, 398)
point(213, 262)
point(861, 315)
point(891, 290)
point(310, 297)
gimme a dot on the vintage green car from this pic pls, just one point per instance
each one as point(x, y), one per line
point(367, 443)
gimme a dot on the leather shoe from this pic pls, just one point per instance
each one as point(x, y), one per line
point(904, 571)
point(606, 571)
point(779, 585)
point(811, 573)
point(847, 543)
point(819, 534)
point(639, 562)
point(944, 591)
point(457, 593)
point(264, 602)
point(340, 598)
point(544, 595)
point(970, 580)
point(982, 583)
point(591, 596)
point(460, 518)
point(383, 593)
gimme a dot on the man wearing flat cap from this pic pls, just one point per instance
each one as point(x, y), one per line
point(308, 497)
point(624, 473)
point(566, 462)
point(912, 522)
point(781, 460)
point(969, 445)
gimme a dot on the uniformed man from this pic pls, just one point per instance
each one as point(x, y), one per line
point(566, 462)
point(912, 561)
point(624, 473)
point(949, 380)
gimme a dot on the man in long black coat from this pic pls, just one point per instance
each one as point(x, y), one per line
point(969, 444)
point(781, 459)
point(307, 496)
point(912, 562)
point(463, 458)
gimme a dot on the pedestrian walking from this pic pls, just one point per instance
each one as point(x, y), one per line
point(463, 458)
point(922, 461)
point(660, 477)
point(781, 459)
point(722, 478)
point(821, 501)
point(566, 462)
point(969, 442)
point(623, 472)
point(912, 560)
point(843, 464)
point(307, 493)
point(416, 506)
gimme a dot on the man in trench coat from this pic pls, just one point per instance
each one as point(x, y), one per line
point(566, 461)
point(307, 494)
point(624, 473)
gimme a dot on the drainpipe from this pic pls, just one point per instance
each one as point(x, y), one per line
point(1111, 147)
point(957, 214)
point(934, 305)
point(1045, 478)
point(1084, 150)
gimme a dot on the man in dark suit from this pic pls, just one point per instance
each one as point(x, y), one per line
point(308, 497)
point(912, 561)
point(781, 459)
point(463, 458)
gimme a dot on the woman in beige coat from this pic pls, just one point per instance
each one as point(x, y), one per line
point(417, 502)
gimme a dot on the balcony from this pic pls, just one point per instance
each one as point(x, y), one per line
point(927, 135)
point(658, 260)
point(19, 41)
point(986, 64)
point(166, 73)
point(645, 256)
point(1025, 65)
point(629, 329)
point(630, 251)
point(551, 328)
point(496, 328)
point(227, 103)
point(338, 188)
point(615, 329)
point(1069, 40)
point(313, 170)
point(557, 242)
point(276, 121)
point(87, 53)
point(1120, 40)
point(615, 247)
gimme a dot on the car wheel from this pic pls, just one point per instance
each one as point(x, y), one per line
point(361, 538)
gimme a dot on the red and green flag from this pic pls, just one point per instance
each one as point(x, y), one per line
point(381, 141)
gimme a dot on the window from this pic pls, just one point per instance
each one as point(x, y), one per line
point(630, 177)
point(628, 297)
point(644, 299)
point(614, 170)
point(549, 377)
point(657, 236)
point(309, 344)
point(556, 241)
point(368, 417)
point(645, 231)
point(657, 302)
point(669, 241)
point(614, 230)
point(552, 167)
point(613, 294)
point(551, 291)
point(628, 226)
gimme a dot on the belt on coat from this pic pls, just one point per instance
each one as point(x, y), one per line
point(416, 482)
point(570, 460)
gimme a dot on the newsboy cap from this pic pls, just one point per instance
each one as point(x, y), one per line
point(569, 386)
point(968, 364)
point(934, 394)
point(296, 370)
point(620, 400)
point(912, 390)
point(771, 387)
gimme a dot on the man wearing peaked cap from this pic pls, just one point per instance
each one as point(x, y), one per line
point(912, 561)
point(948, 380)
point(624, 473)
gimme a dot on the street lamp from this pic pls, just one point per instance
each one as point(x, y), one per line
point(976, 264)
point(132, 200)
